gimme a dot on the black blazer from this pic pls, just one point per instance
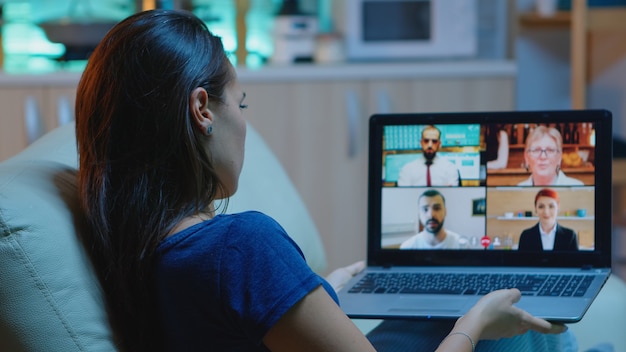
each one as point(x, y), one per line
point(564, 240)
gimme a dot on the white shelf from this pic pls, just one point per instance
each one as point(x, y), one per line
point(534, 218)
point(318, 72)
point(378, 70)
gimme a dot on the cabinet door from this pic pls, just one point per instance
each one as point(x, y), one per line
point(21, 119)
point(318, 130)
point(442, 94)
point(60, 105)
point(29, 112)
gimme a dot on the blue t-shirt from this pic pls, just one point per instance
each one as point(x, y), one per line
point(223, 283)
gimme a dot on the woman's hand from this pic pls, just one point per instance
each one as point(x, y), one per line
point(498, 317)
point(494, 317)
point(339, 277)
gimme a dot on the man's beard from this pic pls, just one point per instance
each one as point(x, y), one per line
point(436, 229)
point(429, 154)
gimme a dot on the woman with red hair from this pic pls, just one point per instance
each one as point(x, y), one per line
point(547, 234)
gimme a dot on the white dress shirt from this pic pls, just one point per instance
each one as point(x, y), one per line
point(423, 240)
point(547, 238)
point(443, 172)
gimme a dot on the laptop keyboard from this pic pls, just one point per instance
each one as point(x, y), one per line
point(473, 284)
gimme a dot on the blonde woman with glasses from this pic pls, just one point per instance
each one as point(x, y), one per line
point(543, 155)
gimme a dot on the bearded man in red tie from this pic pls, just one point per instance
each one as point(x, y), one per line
point(429, 169)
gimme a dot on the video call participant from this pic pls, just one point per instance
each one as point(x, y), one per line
point(497, 158)
point(429, 169)
point(543, 155)
point(432, 214)
point(547, 234)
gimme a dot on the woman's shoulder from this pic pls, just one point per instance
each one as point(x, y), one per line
point(246, 220)
point(227, 229)
point(565, 180)
point(248, 234)
point(250, 228)
point(562, 228)
point(534, 228)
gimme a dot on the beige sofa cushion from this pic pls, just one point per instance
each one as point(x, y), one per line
point(49, 297)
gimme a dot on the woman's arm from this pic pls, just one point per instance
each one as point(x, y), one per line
point(503, 152)
point(316, 323)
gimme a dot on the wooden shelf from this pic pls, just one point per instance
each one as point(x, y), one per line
point(611, 18)
point(535, 218)
point(607, 18)
point(582, 22)
point(532, 19)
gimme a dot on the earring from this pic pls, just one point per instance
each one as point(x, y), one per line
point(558, 168)
point(209, 130)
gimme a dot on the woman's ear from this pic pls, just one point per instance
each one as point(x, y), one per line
point(201, 115)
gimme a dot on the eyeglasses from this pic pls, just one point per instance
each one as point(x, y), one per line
point(535, 153)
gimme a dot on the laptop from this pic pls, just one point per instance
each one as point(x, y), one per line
point(537, 218)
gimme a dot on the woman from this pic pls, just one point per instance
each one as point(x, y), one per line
point(497, 158)
point(543, 155)
point(161, 135)
point(547, 234)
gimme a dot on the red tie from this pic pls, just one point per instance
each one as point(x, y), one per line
point(428, 174)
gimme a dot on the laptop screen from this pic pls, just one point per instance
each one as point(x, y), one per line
point(515, 188)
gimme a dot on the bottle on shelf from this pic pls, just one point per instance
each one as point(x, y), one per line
point(514, 139)
point(526, 132)
point(575, 134)
point(567, 134)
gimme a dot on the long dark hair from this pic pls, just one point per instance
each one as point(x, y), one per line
point(142, 165)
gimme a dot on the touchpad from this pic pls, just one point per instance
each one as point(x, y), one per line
point(427, 304)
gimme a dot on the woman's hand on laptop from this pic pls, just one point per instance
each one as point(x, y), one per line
point(497, 317)
point(339, 277)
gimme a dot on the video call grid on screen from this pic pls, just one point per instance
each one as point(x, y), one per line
point(491, 205)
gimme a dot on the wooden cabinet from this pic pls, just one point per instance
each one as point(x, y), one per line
point(441, 94)
point(29, 111)
point(319, 131)
point(16, 104)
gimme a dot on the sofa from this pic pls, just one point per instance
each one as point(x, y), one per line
point(50, 299)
